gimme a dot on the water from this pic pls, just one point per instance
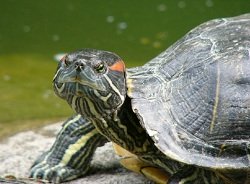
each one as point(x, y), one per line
point(32, 32)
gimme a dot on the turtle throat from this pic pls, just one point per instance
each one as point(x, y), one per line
point(122, 127)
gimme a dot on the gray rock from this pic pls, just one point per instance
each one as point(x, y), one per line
point(19, 152)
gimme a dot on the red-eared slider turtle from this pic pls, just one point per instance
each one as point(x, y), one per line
point(186, 112)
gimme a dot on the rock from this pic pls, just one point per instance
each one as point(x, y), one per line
point(20, 151)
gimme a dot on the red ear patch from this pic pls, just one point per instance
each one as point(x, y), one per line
point(63, 58)
point(118, 66)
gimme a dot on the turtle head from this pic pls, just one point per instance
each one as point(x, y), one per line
point(91, 81)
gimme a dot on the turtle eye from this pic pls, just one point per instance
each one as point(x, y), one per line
point(99, 68)
point(66, 62)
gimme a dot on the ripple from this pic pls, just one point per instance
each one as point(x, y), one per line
point(55, 37)
point(209, 3)
point(122, 25)
point(157, 44)
point(26, 28)
point(161, 7)
point(144, 41)
point(6, 77)
point(110, 19)
point(181, 4)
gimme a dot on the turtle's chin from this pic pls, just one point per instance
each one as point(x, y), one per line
point(78, 89)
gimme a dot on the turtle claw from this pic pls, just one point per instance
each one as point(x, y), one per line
point(54, 173)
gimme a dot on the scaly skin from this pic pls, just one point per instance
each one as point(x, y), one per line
point(93, 83)
point(70, 156)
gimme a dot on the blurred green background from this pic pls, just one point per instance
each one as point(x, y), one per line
point(32, 32)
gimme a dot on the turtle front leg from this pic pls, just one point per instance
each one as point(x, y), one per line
point(70, 155)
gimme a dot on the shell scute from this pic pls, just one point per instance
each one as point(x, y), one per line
point(194, 98)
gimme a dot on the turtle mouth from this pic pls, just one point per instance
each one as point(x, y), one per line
point(85, 84)
point(78, 86)
point(81, 82)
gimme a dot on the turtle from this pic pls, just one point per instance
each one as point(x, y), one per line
point(183, 117)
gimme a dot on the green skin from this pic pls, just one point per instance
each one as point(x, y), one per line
point(93, 82)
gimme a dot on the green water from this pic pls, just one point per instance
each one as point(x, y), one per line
point(31, 32)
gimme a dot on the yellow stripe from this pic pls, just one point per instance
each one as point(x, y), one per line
point(76, 118)
point(114, 88)
point(129, 86)
point(216, 100)
point(74, 148)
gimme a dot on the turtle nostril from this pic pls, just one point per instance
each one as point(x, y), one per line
point(79, 66)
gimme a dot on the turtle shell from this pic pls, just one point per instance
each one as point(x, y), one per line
point(194, 98)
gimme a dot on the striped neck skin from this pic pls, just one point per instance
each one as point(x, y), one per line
point(92, 82)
